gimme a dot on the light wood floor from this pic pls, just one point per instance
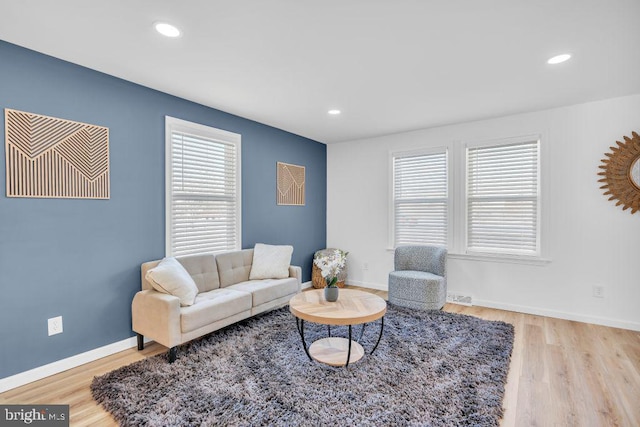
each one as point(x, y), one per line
point(562, 373)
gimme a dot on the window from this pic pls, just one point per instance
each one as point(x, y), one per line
point(420, 198)
point(203, 189)
point(503, 198)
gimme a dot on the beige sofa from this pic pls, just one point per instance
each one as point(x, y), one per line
point(225, 296)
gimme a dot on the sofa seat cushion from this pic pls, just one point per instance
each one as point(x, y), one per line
point(267, 290)
point(212, 306)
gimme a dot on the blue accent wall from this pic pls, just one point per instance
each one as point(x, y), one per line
point(80, 259)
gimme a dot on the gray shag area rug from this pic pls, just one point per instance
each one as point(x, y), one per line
point(431, 368)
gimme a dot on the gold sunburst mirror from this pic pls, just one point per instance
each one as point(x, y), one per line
point(621, 175)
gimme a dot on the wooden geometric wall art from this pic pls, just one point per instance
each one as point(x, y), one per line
point(56, 158)
point(290, 183)
point(620, 167)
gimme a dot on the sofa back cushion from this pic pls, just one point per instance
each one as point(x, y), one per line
point(234, 267)
point(201, 268)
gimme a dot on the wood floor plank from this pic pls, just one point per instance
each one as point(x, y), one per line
point(537, 412)
point(562, 373)
point(510, 401)
point(561, 392)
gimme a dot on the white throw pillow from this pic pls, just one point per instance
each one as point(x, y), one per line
point(270, 262)
point(170, 277)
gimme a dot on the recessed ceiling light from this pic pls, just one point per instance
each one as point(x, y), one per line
point(559, 58)
point(334, 112)
point(166, 29)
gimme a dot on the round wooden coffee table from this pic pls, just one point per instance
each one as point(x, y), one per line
point(353, 307)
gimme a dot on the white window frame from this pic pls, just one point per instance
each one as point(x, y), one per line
point(463, 222)
point(173, 124)
point(449, 172)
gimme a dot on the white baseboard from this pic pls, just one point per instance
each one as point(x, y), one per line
point(596, 320)
point(377, 286)
point(53, 368)
point(306, 285)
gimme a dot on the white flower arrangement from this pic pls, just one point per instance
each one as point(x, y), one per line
point(330, 266)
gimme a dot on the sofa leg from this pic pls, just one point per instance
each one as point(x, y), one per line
point(173, 351)
point(140, 342)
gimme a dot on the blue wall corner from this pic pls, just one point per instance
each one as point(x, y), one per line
point(81, 258)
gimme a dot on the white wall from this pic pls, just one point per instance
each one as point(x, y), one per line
point(587, 239)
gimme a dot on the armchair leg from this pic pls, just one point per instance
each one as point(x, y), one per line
point(140, 342)
point(173, 351)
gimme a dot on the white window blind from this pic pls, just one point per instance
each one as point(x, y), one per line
point(203, 196)
point(503, 198)
point(420, 197)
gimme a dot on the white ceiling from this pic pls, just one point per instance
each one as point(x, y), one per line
point(390, 66)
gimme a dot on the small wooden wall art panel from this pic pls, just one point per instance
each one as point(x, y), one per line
point(55, 158)
point(290, 184)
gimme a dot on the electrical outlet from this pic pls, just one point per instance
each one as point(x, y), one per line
point(365, 266)
point(55, 325)
point(598, 291)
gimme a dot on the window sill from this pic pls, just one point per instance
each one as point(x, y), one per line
point(512, 259)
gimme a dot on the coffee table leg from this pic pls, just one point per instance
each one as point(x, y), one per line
point(300, 327)
point(362, 332)
point(349, 350)
point(379, 337)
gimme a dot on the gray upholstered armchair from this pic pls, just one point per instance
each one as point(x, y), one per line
point(420, 277)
